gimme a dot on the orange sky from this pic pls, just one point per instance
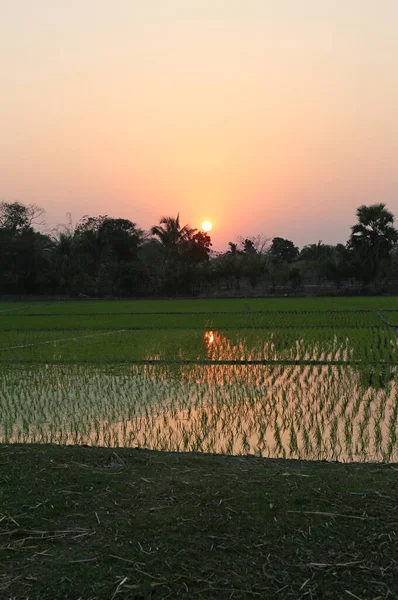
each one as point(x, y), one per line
point(272, 117)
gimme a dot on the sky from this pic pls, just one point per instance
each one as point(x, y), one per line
point(266, 117)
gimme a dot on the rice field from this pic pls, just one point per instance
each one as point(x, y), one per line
point(292, 378)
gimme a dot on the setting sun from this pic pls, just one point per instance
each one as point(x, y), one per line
point(207, 226)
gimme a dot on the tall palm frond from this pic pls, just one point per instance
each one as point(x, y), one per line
point(170, 234)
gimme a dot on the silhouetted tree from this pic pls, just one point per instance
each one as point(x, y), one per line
point(283, 250)
point(197, 248)
point(15, 216)
point(233, 249)
point(295, 278)
point(248, 247)
point(108, 250)
point(371, 241)
point(338, 267)
point(105, 256)
point(172, 236)
point(316, 257)
point(24, 252)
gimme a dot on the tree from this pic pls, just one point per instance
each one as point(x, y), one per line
point(317, 256)
point(197, 248)
point(283, 250)
point(233, 249)
point(295, 278)
point(253, 260)
point(112, 256)
point(316, 252)
point(248, 247)
point(24, 252)
point(64, 260)
point(151, 259)
point(257, 244)
point(172, 236)
point(15, 216)
point(181, 246)
point(280, 254)
point(108, 254)
point(338, 266)
point(253, 267)
point(371, 241)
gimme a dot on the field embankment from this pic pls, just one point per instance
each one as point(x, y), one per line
point(94, 523)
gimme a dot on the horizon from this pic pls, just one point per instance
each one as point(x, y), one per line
point(276, 119)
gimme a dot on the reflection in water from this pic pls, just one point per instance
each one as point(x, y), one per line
point(209, 338)
point(314, 412)
point(277, 345)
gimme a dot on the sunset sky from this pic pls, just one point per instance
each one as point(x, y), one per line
point(272, 117)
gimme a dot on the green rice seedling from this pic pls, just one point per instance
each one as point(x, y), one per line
point(334, 435)
point(318, 437)
point(293, 446)
point(308, 448)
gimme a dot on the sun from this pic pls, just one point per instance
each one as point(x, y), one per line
point(207, 226)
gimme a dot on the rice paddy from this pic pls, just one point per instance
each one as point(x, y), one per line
point(286, 378)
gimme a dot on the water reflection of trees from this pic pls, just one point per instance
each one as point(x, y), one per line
point(376, 377)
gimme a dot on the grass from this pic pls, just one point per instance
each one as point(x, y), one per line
point(267, 319)
point(97, 524)
point(371, 344)
point(202, 305)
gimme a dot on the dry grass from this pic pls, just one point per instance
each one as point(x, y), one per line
point(88, 523)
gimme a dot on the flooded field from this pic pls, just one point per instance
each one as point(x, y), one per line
point(259, 383)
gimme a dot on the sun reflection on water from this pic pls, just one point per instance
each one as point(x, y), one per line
point(209, 338)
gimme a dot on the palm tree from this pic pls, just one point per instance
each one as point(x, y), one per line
point(375, 228)
point(172, 236)
point(372, 239)
point(64, 256)
point(173, 240)
point(233, 249)
point(317, 254)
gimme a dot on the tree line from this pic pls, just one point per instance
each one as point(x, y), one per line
point(111, 257)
